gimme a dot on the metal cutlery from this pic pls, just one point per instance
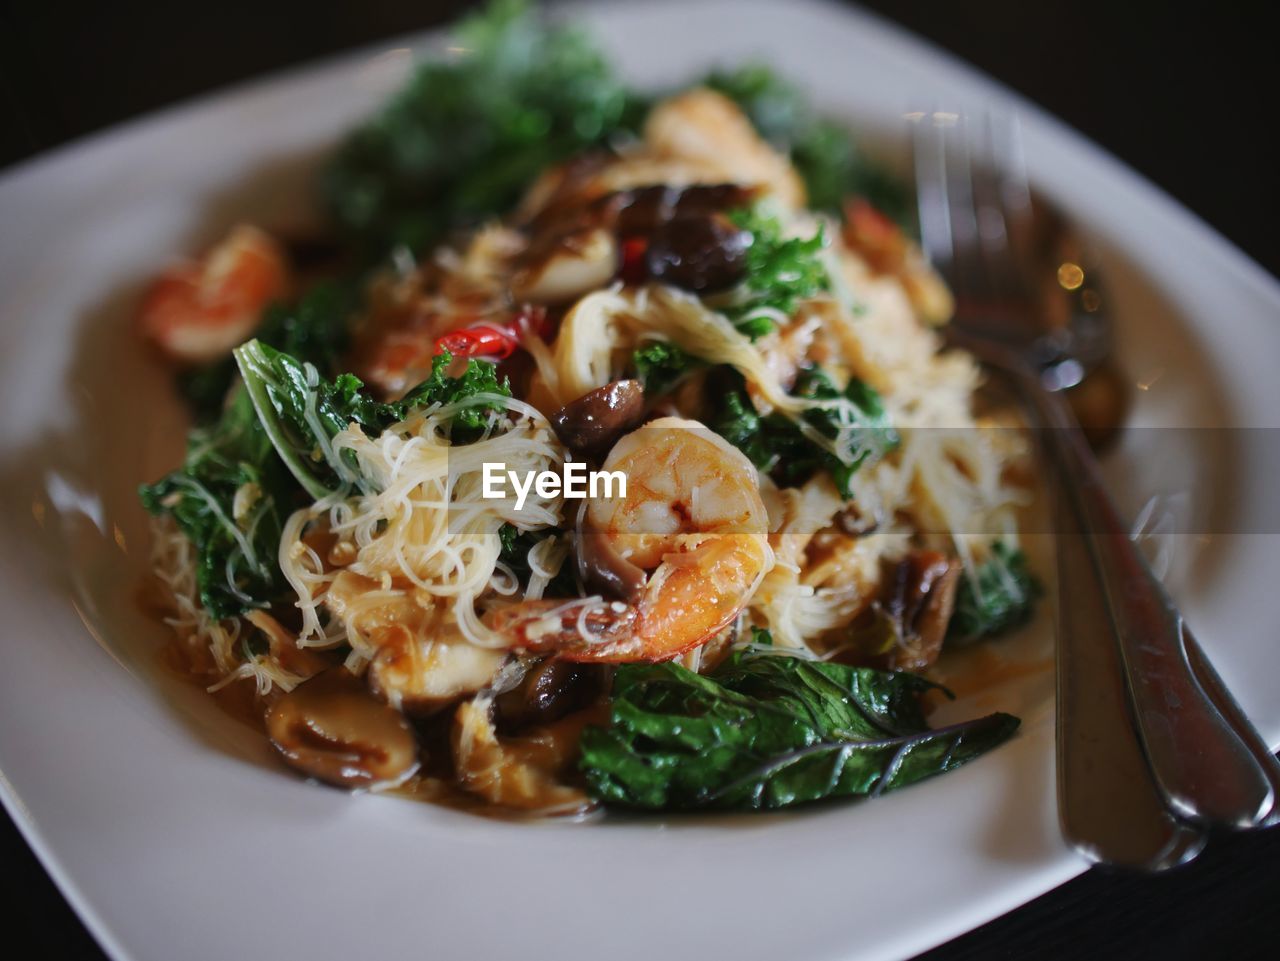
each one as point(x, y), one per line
point(1152, 749)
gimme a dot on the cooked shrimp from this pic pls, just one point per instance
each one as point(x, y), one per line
point(197, 311)
point(694, 529)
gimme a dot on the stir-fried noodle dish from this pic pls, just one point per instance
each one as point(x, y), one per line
point(604, 453)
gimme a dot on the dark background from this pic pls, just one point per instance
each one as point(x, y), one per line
point(1186, 96)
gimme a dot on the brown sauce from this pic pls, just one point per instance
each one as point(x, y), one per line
point(983, 667)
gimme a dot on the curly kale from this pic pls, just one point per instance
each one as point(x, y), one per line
point(767, 730)
point(780, 272)
point(236, 567)
point(660, 365)
point(777, 444)
point(302, 412)
point(469, 133)
point(271, 451)
point(998, 597)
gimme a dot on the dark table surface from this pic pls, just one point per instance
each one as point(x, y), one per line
point(1184, 96)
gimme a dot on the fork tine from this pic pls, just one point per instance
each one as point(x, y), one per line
point(974, 203)
point(990, 207)
point(945, 197)
point(934, 209)
point(1006, 206)
point(969, 266)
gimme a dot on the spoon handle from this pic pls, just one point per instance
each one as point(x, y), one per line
point(1109, 805)
point(1206, 770)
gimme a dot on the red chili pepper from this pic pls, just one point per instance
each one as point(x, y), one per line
point(633, 269)
point(477, 342)
point(490, 340)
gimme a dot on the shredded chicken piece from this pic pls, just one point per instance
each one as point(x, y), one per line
point(505, 775)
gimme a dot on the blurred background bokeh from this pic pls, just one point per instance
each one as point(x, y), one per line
point(1180, 92)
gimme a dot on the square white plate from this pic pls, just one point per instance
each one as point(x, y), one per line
point(173, 831)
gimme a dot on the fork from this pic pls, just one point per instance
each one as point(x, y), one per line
point(1152, 750)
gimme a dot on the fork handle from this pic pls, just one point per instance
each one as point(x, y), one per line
point(1204, 768)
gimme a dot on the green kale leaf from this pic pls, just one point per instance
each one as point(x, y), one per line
point(858, 430)
point(476, 388)
point(767, 730)
point(998, 597)
point(471, 132)
point(301, 412)
point(660, 365)
point(272, 442)
point(780, 272)
point(236, 567)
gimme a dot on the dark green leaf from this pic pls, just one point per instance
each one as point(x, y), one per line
point(764, 440)
point(776, 444)
point(479, 378)
point(780, 272)
point(470, 132)
point(999, 596)
point(660, 365)
point(285, 415)
point(302, 412)
point(769, 730)
point(861, 428)
point(236, 559)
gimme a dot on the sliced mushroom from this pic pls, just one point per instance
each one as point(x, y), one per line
point(603, 569)
point(904, 628)
point(599, 417)
point(333, 729)
point(419, 675)
point(935, 616)
point(575, 265)
point(919, 594)
point(704, 253)
point(643, 210)
point(549, 691)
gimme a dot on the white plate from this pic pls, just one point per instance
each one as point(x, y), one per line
point(175, 834)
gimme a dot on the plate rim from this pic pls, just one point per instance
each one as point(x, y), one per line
point(1229, 254)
